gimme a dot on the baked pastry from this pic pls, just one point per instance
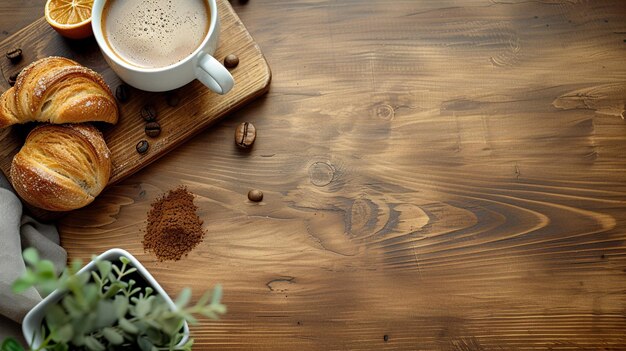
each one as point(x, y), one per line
point(58, 90)
point(61, 167)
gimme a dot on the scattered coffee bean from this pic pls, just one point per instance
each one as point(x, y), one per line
point(231, 61)
point(255, 195)
point(122, 93)
point(142, 147)
point(245, 134)
point(13, 78)
point(386, 337)
point(148, 113)
point(153, 129)
point(172, 99)
point(14, 55)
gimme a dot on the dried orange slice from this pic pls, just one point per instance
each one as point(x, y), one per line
point(71, 18)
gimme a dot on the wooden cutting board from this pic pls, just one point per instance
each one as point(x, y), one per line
point(198, 107)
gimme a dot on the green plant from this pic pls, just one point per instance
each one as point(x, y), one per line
point(109, 310)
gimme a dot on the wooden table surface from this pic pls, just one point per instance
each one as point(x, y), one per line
point(438, 175)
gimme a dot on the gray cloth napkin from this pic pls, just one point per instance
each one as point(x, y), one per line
point(17, 232)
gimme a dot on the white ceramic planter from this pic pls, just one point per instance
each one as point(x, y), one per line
point(31, 327)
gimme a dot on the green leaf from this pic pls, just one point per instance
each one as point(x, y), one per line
point(209, 314)
point(79, 339)
point(93, 344)
point(63, 334)
point(87, 323)
point(172, 325)
point(204, 299)
point(83, 278)
point(189, 343)
point(183, 298)
point(75, 266)
point(141, 325)
point(177, 337)
point(48, 286)
point(111, 277)
point(153, 323)
point(96, 277)
point(114, 288)
point(71, 306)
point(45, 270)
point(91, 293)
point(105, 312)
point(30, 256)
point(219, 308)
point(117, 270)
point(113, 336)
point(11, 344)
point(159, 306)
point(24, 282)
point(189, 318)
point(124, 260)
point(144, 343)
point(56, 316)
point(142, 307)
point(120, 305)
point(127, 326)
point(217, 294)
point(104, 268)
point(155, 336)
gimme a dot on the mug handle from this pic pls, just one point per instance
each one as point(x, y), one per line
point(211, 73)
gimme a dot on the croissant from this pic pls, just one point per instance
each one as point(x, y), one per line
point(57, 90)
point(61, 167)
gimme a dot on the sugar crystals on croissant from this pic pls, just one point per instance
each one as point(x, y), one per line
point(58, 90)
point(61, 167)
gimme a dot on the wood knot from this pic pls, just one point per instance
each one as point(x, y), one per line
point(385, 112)
point(363, 214)
point(321, 173)
point(280, 284)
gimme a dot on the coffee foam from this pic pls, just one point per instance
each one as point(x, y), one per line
point(155, 33)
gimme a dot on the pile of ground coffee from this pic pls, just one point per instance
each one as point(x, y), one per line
point(173, 227)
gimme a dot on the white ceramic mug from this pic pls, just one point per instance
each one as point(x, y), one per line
point(199, 65)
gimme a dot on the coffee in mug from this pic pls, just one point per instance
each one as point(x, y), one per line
point(161, 45)
point(155, 33)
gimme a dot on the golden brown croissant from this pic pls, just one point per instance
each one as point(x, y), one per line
point(61, 167)
point(57, 90)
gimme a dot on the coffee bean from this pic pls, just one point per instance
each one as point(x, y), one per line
point(255, 195)
point(245, 134)
point(231, 61)
point(142, 147)
point(153, 129)
point(13, 78)
point(172, 99)
point(148, 113)
point(122, 93)
point(14, 55)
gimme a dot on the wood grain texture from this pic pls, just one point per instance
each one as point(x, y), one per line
point(198, 107)
point(450, 174)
